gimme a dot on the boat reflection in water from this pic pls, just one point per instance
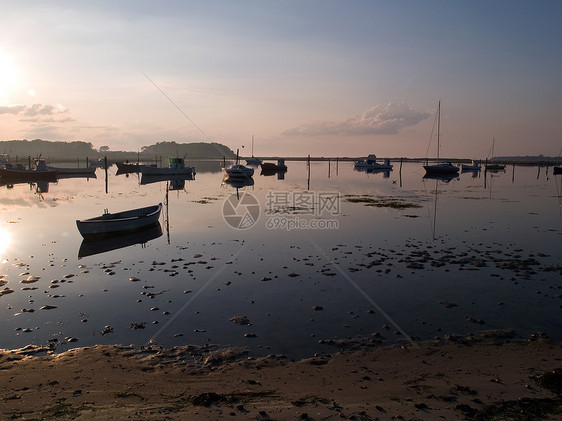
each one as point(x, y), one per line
point(269, 169)
point(385, 172)
point(473, 173)
point(39, 187)
point(127, 168)
point(446, 178)
point(177, 182)
point(118, 241)
point(238, 182)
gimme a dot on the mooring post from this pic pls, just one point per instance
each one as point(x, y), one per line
point(308, 165)
point(106, 178)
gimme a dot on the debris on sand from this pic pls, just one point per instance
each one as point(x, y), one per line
point(6, 291)
point(30, 279)
point(240, 320)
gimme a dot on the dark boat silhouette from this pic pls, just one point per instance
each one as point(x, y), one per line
point(114, 242)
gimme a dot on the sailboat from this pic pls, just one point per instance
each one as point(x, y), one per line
point(443, 168)
point(238, 170)
point(491, 166)
point(253, 160)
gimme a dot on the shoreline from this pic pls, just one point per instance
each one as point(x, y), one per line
point(489, 375)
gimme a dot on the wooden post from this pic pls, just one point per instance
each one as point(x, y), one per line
point(105, 166)
point(539, 171)
point(485, 172)
point(513, 173)
point(308, 164)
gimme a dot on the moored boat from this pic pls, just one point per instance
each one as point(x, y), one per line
point(176, 166)
point(18, 172)
point(127, 167)
point(371, 164)
point(73, 171)
point(272, 167)
point(253, 160)
point(495, 167)
point(238, 170)
point(110, 243)
point(126, 221)
point(473, 166)
point(491, 166)
point(440, 167)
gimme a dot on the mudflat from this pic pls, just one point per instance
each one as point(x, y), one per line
point(458, 378)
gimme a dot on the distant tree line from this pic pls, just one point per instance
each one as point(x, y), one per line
point(19, 150)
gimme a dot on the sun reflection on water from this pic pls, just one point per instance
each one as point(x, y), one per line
point(5, 241)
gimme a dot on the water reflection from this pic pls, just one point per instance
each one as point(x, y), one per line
point(5, 241)
point(446, 178)
point(385, 172)
point(238, 182)
point(118, 241)
point(473, 173)
point(176, 182)
point(384, 243)
point(87, 176)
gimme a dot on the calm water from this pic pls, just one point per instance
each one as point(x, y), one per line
point(431, 258)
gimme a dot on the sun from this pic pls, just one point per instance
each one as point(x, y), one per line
point(8, 73)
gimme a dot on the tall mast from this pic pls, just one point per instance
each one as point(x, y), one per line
point(438, 127)
point(252, 146)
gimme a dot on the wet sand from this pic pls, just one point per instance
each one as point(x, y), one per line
point(492, 375)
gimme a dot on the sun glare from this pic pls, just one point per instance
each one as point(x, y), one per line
point(5, 240)
point(8, 73)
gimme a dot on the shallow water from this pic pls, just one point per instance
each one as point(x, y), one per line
point(407, 257)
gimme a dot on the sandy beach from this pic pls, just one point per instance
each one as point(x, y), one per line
point(490, 376)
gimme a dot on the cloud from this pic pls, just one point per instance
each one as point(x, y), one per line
point(12, 109)
point(46, 120)
point(35, 112)
point(376, 120)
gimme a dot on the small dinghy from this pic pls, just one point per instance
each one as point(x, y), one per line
point(113, 223)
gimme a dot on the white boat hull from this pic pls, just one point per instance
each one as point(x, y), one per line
point(239, 171)
point(126, 221)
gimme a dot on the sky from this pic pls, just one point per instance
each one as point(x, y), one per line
point(320, 77)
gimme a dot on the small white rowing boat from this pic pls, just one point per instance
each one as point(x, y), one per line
point(113, 223)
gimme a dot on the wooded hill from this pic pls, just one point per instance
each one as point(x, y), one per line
point(62, 151)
